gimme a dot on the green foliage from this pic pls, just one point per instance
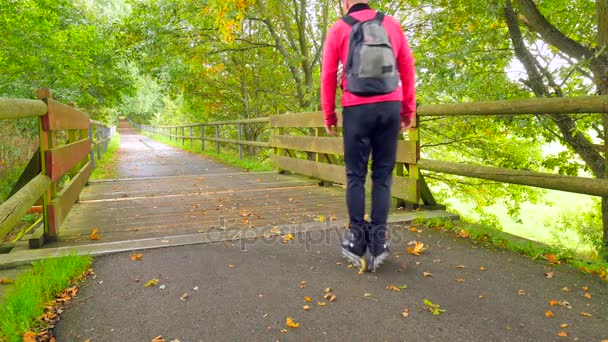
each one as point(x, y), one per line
point(586, 224)
point(25, 300)
point(106, 167)
point(434, 308)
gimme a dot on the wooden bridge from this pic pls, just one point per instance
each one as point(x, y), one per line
point(163, 192)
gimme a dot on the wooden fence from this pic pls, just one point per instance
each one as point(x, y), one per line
point(409, 184)
point(59, 169)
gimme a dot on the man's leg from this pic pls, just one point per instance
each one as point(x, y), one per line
point(357, 147)
point(384, 152)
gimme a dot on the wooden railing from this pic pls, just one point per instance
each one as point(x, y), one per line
point(409, 184)
point(60, 168)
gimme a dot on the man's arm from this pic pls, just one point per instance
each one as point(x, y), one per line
point(407, 73)
point(329, 79)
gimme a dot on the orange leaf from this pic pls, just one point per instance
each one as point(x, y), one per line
point(94, 235)
point(291, 323)
point(482, 268)
point(463, 234)
point(588, 295)
point(553, 303)
point(4, 281)
point(418, 248)
point(565, 325)
point(586, 314)
point(460, 280)
point(136, 257)
point(562, 334)
point(549, 313)
point(585, 288)
point(29, 337)
point(393, 288)
point(551, 258)
point(158, 338)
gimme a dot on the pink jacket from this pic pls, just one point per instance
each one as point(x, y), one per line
point(336, 49)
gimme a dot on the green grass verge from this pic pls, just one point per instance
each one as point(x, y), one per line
point(107, 166)
point(535, 250)
point(25, 300)
point(226, 158)
point(7, 181)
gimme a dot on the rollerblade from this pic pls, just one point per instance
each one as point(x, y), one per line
point(354, 247)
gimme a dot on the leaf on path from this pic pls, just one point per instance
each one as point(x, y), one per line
point(434, 308)
point(283, 331)
point(460, 280)
point(565, 325)
point(321, 303)
point(565, 304)
point(585, 288)
point(461, 266)
point(327, 290)
point(553, 303)
point(549, 314)
point(418, 248)
point(549, 275)
point(158, 338)
point(427, 274)
point(288, 238)
point(482, 268)
point(396, 288)
point(463, 234)
point(405, 312)
point(562, 334)
point(231, 266)
point(566, 289)
point(275, 230)
point(587, 295)
point(136, 257)
point(152, 282)
point(6, 281)
point(586, 314)
point(306, 307)
point(184, 297)
point(415, 230)
point(552, 258)
point(307, 299)
point(94, 235)
point(291, 323)
point(330, 296)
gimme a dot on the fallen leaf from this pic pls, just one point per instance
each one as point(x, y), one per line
point(461, 266)
point(151, 282)
point(565, 325)
point(565, 304)
point(463, 234)
point(415, 230)
point(405, 312)
point(288, 238)
point(552, 258)
point(367, 294)
point(562, 334)
point(283, 331)
point(553, 303)
point(291, 323)
point(306, 307)
point(307, 299)
point(549, 275)
point(162, 287)
point(418, 248)
point(393, 288)
point(587, 295)
point(327, 290)
point(5, 281)
point(321, 303)
point(565, 289)
point(158, 338)
point(184, 297)
point(136, 257)
point(460, 280)
point(195, 288)
point(482, 268)
point(586, 314)
point(231, 266)
point(585, 288)
point(94, 235)
point(275, 230)
point(549, 313)
point(427, 274)
point(29, 337)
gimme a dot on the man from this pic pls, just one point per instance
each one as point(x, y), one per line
point(372, 121)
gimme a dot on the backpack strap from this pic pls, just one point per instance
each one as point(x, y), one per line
point(379, 16)
point(350, 20)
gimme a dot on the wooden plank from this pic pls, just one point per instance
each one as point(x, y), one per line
point(62, 116)
point(404, 188)
point(61, 205)
point(555, 105)
point(233, 141)
point(21, 108)
point(61, 159)
point(234, 122)
point(308, 120)
point(13, 209)
point(406, 150)
point(581, 185)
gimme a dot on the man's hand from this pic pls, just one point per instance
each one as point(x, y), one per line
point(332, 130)
point(405, 125)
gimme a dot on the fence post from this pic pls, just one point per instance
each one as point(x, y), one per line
point(183, 136)
point(240, 137)
point(203, 138)
point(92, 153)
point(190, 138)
point(217, 135)
point(46, 143)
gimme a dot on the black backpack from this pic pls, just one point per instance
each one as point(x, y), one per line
point(371, 68)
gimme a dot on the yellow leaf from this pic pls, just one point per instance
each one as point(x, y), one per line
point(152, 282)
point(94, 235)
point(307, 299)
point(460, 280)
point(290, 323)
point(562, 334)
point(565, 325)
point(463, 234)
point(321, 303)
point(585, 288)
point(136, 257)
point(4, 281)
point(586, 314)
point(588, 295)
point(418, 248)
point(288, 238)
point(549, 314)
point(327, 290)
point(321, 218)
point(482, 268)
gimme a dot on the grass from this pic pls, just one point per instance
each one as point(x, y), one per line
point(25, 300)
point(107, 166)
point(532, 249)
point(226, 158)
point(7, 181)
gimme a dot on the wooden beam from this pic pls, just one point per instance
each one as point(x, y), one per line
point(304, 120)
point(13, 209)
point(581, 185)
point(61, 205)
point(555, 105)
point(61, 159)
point(62, 116)
point(21, 108)
point(233, 141)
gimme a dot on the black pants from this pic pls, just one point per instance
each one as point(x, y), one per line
point(370, 128)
